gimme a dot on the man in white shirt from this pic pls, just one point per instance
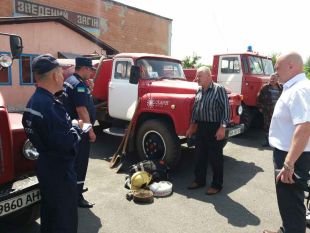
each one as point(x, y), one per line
point(289, 135)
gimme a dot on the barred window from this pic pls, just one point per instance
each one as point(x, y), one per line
point(26, 75)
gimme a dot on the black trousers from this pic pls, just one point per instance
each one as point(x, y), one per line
point(208, 149)
point(81, 163)
point(290, 197)
point(58, 197)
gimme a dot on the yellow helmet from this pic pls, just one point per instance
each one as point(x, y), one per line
point(140, 180)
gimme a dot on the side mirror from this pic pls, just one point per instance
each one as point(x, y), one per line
point(16, 45)
point(135, 74)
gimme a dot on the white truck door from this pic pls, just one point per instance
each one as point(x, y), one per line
point(230, 72)
point(123, 96)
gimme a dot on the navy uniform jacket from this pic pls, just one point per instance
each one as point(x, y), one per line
point(77, 94)
point(49, 128)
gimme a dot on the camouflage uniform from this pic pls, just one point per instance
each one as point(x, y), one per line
point(266, 100)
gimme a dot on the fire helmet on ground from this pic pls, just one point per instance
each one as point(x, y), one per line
point(140, 180)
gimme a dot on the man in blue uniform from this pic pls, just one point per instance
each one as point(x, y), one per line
point(79, 104)
point(50, 130)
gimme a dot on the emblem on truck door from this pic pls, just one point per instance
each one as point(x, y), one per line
point(151, 103)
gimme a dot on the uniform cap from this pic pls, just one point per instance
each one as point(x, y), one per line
point(83, 61)
point(44, 63)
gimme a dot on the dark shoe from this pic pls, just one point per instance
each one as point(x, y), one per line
point(195, 185)
point(85, 204)
point(212, 191)
point(266, 231)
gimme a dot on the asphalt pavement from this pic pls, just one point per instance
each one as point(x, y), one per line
point(247, 203)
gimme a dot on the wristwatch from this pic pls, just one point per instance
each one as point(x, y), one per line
point(224, 125)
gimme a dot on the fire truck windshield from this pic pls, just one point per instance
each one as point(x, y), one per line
point(260, 66)
point(268, 66)
point(158, 68)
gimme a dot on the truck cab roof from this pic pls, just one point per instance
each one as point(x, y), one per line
point(145, 55)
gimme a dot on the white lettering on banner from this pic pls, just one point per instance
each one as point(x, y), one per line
point(28, 8)
point(34, 9)
point(20, 6)
point(31, 8)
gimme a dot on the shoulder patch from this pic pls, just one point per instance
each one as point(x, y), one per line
point(80, 89)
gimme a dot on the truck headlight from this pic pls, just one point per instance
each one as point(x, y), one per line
point(240, 110)
point(29, 151)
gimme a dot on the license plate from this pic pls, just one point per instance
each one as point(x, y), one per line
point(19, 202)
point(234, 132)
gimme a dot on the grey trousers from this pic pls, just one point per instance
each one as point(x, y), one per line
point(290, 197)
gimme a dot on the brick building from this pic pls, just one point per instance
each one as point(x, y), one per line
point(78, 27)
point(125, 28)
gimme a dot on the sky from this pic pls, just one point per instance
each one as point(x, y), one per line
point(219, 26)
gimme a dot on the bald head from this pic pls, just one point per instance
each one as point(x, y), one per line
point(288, 66)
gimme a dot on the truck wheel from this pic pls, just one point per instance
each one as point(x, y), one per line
point(246, 118)
point(156, 140)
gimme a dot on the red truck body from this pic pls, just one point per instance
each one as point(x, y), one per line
point(243, 73)
point(165, 99)
point(19, 189)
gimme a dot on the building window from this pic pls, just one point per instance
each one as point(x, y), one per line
point(5, 74)
point(26, 75)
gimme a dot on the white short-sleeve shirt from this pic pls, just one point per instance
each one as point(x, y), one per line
point(292, 108)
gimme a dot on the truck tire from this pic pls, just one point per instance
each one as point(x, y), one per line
point(157, 140)
point(246, 118)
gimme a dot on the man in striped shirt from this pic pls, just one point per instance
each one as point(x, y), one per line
point(211, 114)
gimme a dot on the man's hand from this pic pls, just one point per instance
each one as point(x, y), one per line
point(78, 123)
point(92, 135)
point(286, 176)
point(191, 130)
point(220, 133)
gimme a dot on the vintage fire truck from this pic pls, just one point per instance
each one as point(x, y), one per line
point(19, 191)
point(154, 90)
point(243, 73)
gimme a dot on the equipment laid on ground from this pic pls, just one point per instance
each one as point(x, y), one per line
point(143, 196)
point(140, 180)
point(161, 189)
point(158, 169)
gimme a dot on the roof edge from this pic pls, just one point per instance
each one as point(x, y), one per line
point(60, 19)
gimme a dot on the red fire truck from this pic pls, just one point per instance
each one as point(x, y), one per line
point(243, 73)
point(157, 84)
point(19, 191)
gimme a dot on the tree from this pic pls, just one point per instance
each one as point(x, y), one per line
point(274, 57)
point(307, 67)
point(191, 61)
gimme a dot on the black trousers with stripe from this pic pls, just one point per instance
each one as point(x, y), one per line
point(81, 163)
point(208, 149)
